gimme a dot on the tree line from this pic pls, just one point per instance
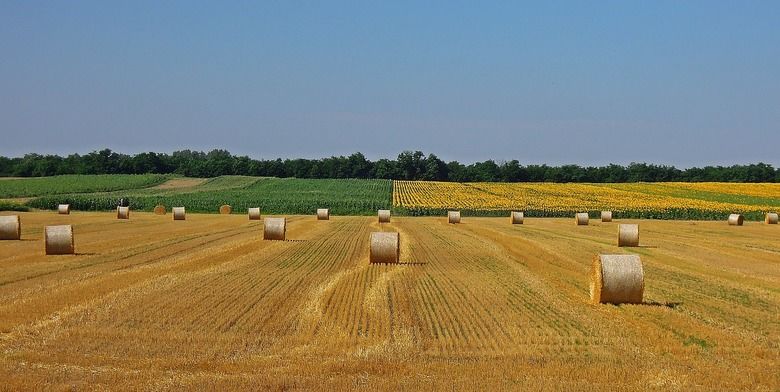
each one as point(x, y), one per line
point(409, 165)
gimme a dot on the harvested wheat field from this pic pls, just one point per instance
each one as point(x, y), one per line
point(151, 303)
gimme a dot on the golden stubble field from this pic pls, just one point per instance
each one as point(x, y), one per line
point(155, 304)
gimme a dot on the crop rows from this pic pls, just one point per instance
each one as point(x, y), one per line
point(711, 201)
point(272, 195)
point(480, 305)
point(31, 187)
point(662, 200)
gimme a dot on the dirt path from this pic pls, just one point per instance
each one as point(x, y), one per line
point(178, 183)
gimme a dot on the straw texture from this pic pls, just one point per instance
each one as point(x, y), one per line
point(123, 212)
point(159, 209)
point(606, 216)
point(771, 218)
point(63, 209)
point(453, 216)
point(384, 216)
point(617, 279)
point(254, 213)
point(59, 240)
point(581, 219)
point(628, 235)
point(274, 228)
point(10, 227)
point(323, 214)
point(179, 213)
point(385, 247)
point(516, 217)
point(225, 209)
point(736, 219)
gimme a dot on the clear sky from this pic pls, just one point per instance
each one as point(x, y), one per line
point(687, 83)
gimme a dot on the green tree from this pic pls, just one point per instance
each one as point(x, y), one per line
point(385, 169)
point(411, 165)
point(358, 166)
point(435, 169)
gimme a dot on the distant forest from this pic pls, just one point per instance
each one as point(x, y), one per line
point(409, 165)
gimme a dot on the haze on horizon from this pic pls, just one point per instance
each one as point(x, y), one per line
point(682, 83)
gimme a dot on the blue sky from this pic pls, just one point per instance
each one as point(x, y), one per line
point(684, 83)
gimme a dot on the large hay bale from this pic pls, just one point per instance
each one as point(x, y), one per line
point(736, 219)
point(453, 216)
point(323, 214)
point(617, 279)
point(179, 213)
point(123, 212)
point(225, 209)
point(516, 217)
point(384, 216)
point(385, 247)
point(274, 228)
point(628, 234)
point(59, 240)
point(63, 209)
point(254, 213)
point(771, 218)
point(606, 216)
point(581, 218)
point(10, 227)
point(159, 209)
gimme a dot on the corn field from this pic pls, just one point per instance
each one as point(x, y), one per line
point(272, 195)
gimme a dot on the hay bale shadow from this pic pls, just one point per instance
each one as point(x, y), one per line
point(670, 305)
point(401, 263)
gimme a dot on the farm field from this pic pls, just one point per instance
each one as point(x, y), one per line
point(152, 303)
point(41, 186)
point(670, 200)
point(272, 195)
point(698, 201)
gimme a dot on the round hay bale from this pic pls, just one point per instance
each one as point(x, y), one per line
point(736, 219)
point(581, 219)
point(771, 218)
point(10, 227)
point(179, 213)
point(516, 217)
point(59, 240)
point(453, 216)
point(385, 247)
point(123, 212)
point(254, 213)
point(225, 209)
point(63, 209)
point(606, 216)
point(617, 279)
point(159, 209)
point(628, 235)
point(384, 216)
point(323, 214)
point(274, 228)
